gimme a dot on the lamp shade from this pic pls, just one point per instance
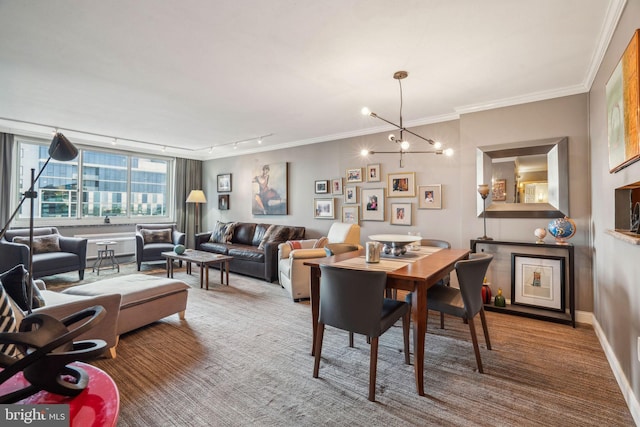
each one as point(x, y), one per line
point(61, 149)
point(196, 196)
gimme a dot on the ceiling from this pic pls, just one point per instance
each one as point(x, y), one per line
point(197, 74)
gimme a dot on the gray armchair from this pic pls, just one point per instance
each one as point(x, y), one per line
point(153, 239)
point(53, 253)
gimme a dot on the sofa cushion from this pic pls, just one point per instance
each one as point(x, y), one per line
point(279, 233)
point(243, 233)
point(222, 232)
point(247, 253)
point(13, 282)
point(162, 235)
point(259, 233)
point(7, 323)
point(216, 248)
point(41, 244)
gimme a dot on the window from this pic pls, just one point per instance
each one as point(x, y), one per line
point(111, 184)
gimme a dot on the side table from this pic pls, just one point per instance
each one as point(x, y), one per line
point(107, 256)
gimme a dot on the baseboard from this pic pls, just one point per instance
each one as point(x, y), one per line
point(632, 400)
point(585, 317)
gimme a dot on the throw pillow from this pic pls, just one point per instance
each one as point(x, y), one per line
point(321, 242)
point(277, 233)
point(41, 244)
point(8, 323)
point(222, 232)
point(13, 281)
point(162, 235)
point(294, 244)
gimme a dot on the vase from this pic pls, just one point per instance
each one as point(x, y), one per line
point(486, 293)
point(179, 249)
point(562, 229)
point(499, 300)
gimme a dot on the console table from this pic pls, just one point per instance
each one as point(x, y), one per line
point(525, 247)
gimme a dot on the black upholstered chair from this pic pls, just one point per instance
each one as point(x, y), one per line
point(442, 244)
point(353, 300)
point(53, 253)
point(465, 302)
point(153, 239)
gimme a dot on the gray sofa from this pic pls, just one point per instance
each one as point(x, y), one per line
point(253, 246)
point(53, 252)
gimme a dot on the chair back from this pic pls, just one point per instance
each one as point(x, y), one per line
point(155, 227)
point(471, 274)
point(352, 300)
point(341, 232)
point(435, 242)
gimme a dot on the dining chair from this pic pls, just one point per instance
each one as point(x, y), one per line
point(353, 300)
point(465, 302)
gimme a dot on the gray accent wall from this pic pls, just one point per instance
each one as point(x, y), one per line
point(615, 262)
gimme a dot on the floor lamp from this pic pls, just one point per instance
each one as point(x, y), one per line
point(49, 341)
point(197, 197)
point(483, 190)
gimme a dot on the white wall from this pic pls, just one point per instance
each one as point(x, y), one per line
point(616, 266)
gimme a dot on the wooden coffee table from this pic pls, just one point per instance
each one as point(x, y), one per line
point(202, 259)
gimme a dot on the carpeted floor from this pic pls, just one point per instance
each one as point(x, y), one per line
point(242, 357)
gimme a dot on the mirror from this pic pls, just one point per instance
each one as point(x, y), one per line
point(528, 179)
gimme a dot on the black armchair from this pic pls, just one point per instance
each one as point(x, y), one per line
point(53, 253)
point(153, 239)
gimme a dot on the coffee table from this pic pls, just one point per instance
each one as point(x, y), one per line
point(202, 259)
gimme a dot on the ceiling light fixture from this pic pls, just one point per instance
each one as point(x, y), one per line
point(404, 144)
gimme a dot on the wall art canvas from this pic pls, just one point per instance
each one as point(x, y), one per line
point(401, 184)
point(372, 204)
point(538, 281)
point(430, 196)
point(623, 115)
point(270, 189)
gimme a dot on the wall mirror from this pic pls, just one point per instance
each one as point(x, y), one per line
point(527, 179)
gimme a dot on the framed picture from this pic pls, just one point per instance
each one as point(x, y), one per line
point(270, 189)
point(401, 184)
point(354, 175)
point(499, 190)
point(223, 202)
point(623, 114)
point(538, 281)
point(324, 208)
point(373, 204)
point(322, 187)
point(351, 214)
point(430, 196)
point(224, 183)
point(350, 194)
point(373, 173)
point(336, 186)
point(401, 213)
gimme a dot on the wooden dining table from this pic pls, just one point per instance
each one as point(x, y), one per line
point(417, 276)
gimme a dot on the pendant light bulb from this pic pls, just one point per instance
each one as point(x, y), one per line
point(405, 145)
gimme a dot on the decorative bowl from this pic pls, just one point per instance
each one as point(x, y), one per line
point(394, 243)
point(562, 229)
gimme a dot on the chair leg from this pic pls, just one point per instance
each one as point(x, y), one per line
point(350, 339)
point(373, 367)
point(476, 349)
point(485, 328)
point(406, 325)
point(319, 336)
point(441, 320)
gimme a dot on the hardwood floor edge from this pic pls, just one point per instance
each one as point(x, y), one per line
point(629, 396)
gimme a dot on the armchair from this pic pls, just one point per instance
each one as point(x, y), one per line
point(53, 253)
point(153, 239)
point(294, 276)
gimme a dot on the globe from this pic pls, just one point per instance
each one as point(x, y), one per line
point(540, 233)
point(562, 229)
point(179, 249)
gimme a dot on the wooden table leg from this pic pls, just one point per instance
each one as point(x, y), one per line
point(222, 265)
point(315, 305)
point(201, 281)
point(206, 269)
point(168, 260)
point(419, 318)
point(227, 267)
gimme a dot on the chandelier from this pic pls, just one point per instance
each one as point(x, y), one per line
point(401, 142)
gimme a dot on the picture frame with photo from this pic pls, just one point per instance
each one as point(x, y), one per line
point(354, 175)
point(351, 214)
point(224, 183)
point(223, 202)
point(430, 196)
point(373, 173)
point(324, 208)
point(322, 186)
point(538, 281)
point(350, 194)
point(400, 214)
point(336, 186)
point(401, 184)
point(499, 190)
point(372, 204)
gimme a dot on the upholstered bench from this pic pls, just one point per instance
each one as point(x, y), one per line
point(145, 299)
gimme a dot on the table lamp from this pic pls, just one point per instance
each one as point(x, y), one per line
point(483, 190)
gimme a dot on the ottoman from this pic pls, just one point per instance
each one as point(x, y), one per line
point(145, 299)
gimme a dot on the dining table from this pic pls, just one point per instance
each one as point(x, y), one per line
point(416, 273)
